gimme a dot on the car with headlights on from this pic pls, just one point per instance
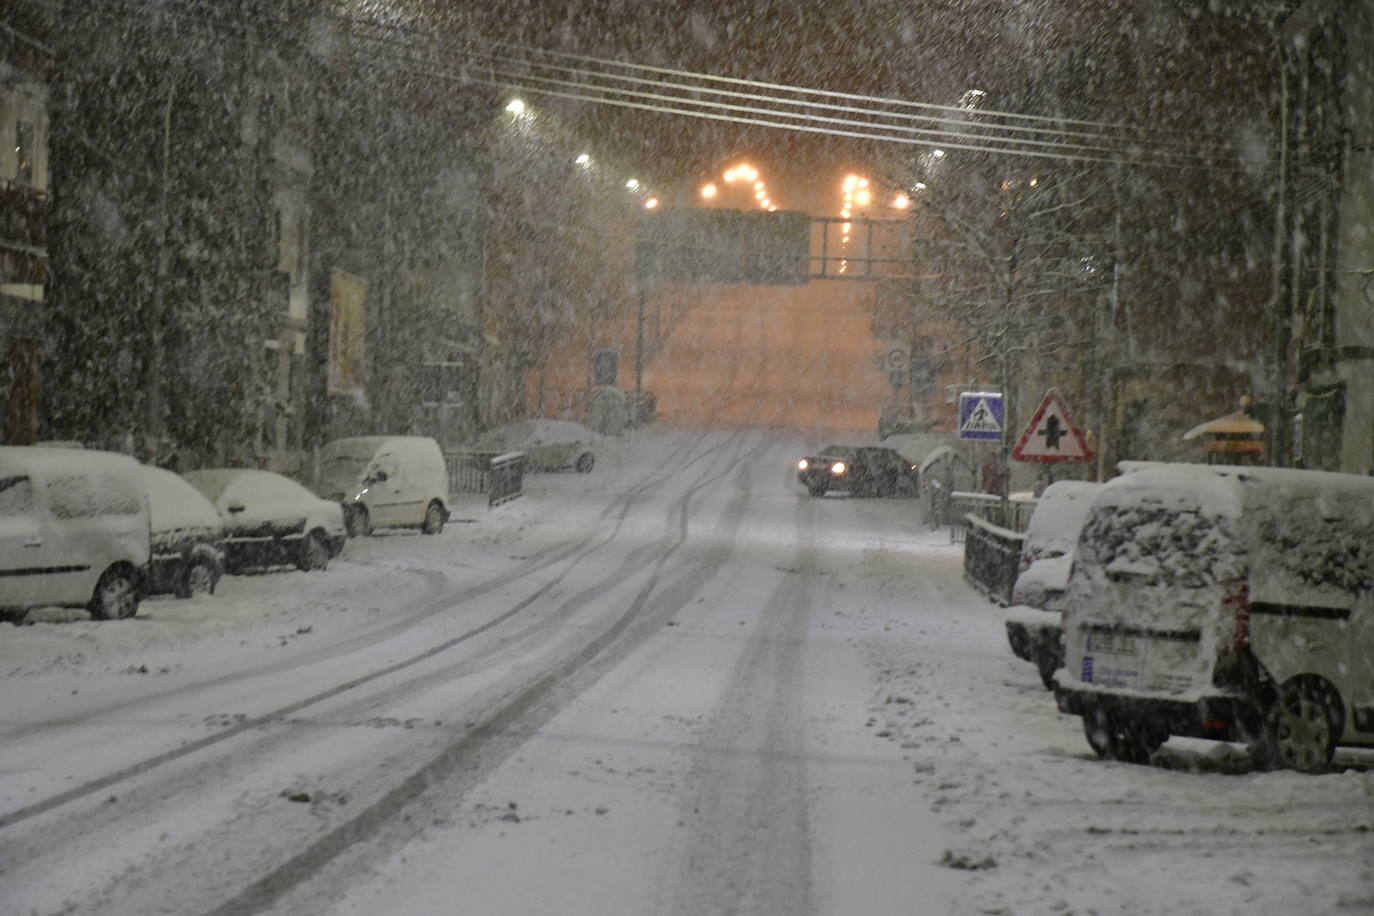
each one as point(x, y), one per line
point(859, 470)
point(271, 520)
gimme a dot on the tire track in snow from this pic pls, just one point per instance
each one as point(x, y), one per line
point(470, 757)
point(577, 550)
point(749, 849)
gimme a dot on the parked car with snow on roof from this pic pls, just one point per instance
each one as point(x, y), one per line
point(548, 445)
point(1033, 620)
point(271, 520)
point(74, 531)
point(187, 537)
point(386, 482)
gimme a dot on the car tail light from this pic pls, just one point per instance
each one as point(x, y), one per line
point(1235, 603)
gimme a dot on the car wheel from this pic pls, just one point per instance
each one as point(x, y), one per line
point(585, 461)
point(199, 578)
point(816, 489)
point(1115, 737)
point(116, 595)
point(357, 521)
point(434, 518)
point(1303, 725)
point(314, 554)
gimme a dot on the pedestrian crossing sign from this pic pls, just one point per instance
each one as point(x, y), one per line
point(980, 415)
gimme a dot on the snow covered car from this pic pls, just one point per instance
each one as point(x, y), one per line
point(549, 445)
point(1033, 620)
point(187, 537)
point(386, 481)
point(73, 531)
point(271, 520)
point(1224, 602)
point(859, 470)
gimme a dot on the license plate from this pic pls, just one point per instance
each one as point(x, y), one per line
point(1111, 643)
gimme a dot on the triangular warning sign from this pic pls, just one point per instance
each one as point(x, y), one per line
point(981, 419)
point(1051, 434)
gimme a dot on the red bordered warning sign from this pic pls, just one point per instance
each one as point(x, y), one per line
point(1051, 434)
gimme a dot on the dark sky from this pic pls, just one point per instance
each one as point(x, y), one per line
point(1149, 61)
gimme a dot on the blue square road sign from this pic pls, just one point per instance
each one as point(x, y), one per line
point(981, 415)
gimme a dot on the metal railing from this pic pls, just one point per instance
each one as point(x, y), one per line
point(992, 557)
point(1014, 514)
point(499, 475)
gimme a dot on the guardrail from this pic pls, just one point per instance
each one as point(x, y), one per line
point(992, 557)
point(500, 475)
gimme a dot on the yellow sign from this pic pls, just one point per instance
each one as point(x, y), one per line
point(347, 332)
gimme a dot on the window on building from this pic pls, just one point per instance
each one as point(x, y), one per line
point(25, 152)
point(605, 367)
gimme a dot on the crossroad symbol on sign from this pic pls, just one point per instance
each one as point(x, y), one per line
point(981, 419)
point(1052, 435)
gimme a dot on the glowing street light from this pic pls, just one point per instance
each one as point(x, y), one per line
point(583, 160)
point(863, 198)
point(938, 154)
point(901, 201)
point(709, 191)
point(632, 184)
point(651, 203)
point(516, 106)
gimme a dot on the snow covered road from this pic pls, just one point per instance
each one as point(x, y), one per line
point(676, 685)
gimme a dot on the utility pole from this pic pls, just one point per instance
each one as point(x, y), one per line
point(1276, 422)
point(154, 402)
point(639, 347)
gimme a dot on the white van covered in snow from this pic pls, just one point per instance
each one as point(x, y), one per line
point(74, 530)
point(1224, 602)
point(386, 482)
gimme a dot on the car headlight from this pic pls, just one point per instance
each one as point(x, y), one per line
point(838, 468)
point(802, 465)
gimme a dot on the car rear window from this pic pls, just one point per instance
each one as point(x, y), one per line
point(1323, 553)
point(74, 496)
point(16, 496)
point(1162, 545)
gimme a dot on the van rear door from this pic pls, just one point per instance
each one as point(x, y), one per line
point(21, 541)
point(1154, 581)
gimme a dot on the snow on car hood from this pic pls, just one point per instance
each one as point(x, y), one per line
point(1042, 581)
